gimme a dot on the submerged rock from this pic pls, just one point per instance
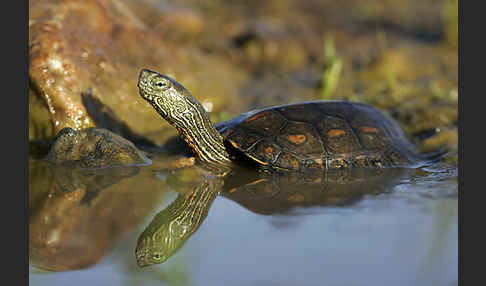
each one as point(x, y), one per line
point(94, 148)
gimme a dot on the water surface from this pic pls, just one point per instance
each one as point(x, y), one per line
point(406, 235)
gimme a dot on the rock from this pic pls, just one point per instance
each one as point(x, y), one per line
point(98, 47)
point(94, 148)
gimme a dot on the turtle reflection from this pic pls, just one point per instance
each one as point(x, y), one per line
point(171, 227)
point(260, 193)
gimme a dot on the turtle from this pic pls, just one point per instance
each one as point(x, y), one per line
point(297, 137)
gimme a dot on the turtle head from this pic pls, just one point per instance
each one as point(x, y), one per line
point(176, 105)
point(149, 253)
point(156, 244)
point(169, 98)
point(163, 237)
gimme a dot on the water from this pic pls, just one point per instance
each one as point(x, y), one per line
point(404, 235)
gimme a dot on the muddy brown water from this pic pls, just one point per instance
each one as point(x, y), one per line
point(396, 228)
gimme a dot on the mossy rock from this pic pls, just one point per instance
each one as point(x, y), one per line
point(94, 148)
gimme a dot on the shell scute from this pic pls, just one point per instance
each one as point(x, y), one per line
point(265, 152)
point(287, 161)
point(370, 131)
point(300, 138)
point(242, 139)
point(267, 123)
point(337, 136)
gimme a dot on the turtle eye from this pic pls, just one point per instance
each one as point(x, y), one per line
point(161, 84)
point(156, 256)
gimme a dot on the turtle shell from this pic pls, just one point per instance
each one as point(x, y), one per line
point(318, 135)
